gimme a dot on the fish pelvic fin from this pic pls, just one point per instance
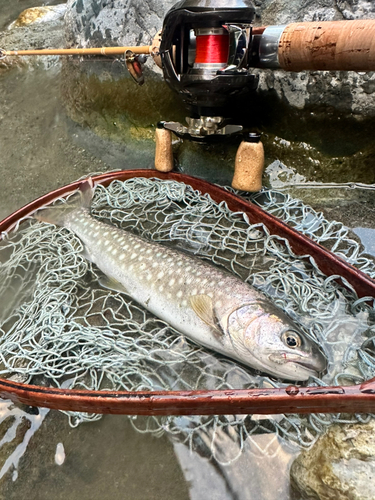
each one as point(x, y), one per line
point(80, 199)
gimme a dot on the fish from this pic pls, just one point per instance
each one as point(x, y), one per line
point(207, 304)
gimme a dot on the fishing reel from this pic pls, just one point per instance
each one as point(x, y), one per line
point(205, 54)
point(204, 50)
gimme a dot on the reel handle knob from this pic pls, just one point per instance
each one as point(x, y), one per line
point(163, 150)
point(249, 165)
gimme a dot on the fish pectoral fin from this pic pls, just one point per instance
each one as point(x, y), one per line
point(203, 307)
point(112, 284)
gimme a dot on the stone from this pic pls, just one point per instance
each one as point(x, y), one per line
point(340, 466)
point(41, 27)
point(39, 15)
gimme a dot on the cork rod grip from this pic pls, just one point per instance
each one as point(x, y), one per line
point(328, 45)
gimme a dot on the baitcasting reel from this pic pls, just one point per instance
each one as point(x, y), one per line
point(204, 53)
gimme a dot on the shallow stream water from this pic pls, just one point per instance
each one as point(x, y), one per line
point(41, 456)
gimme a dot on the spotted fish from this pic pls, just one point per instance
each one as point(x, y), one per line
point(208, 305)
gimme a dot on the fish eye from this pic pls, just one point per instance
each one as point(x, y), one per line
point(292, 339)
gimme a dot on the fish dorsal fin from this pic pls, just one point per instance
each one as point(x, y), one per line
point(112, 284)
point(203, 307)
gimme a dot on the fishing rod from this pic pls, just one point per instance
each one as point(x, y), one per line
point(207, 50)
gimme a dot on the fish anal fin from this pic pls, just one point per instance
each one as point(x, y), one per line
point(112, 284)
point(203, 307)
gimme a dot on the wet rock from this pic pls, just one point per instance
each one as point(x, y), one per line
point(45, 14)
point(340, 466)
point(41, 27)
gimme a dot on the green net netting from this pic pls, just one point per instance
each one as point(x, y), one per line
point(59, 327)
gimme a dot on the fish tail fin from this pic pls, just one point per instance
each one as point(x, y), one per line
point(58, 214)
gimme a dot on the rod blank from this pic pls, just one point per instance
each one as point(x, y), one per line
point(102, 51)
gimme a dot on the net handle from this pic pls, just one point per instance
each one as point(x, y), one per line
point(289, 400)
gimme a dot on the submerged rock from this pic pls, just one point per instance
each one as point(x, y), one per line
point(340, 466)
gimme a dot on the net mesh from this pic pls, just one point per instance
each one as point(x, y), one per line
point(59, 327)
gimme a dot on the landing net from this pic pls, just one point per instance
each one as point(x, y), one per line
point(60, 328)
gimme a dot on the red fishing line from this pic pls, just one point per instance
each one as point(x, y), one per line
point(212, 49)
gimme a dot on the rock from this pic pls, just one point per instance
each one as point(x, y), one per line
point(96, 23)
point(39, 15)
point(41, 27)
point(340, 466)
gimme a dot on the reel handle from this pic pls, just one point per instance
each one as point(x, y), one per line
point(249, 165)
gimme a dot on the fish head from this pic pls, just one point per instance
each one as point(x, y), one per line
point(264, 336)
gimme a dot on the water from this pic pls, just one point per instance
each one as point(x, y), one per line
point(41, 457)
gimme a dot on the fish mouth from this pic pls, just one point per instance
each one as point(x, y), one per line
point(315, 367)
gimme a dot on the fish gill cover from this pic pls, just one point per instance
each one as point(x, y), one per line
point(59, 327)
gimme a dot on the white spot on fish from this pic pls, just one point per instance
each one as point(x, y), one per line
point(179, 294)
point(114, 251)
point(154, 264)
point(142, 266)
point(149, 277)
point(188, 268)
point(160, 275)
point(137, 246)
point(184, 303)
point(158, 254)
point(172, 282)
point(106, 233)
point(122, 256)
point(180, 281)
point(149, 250)
point(194, 292)
point(161, 288)
point(133, 256)
point(106, 243)
point(218, 303)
